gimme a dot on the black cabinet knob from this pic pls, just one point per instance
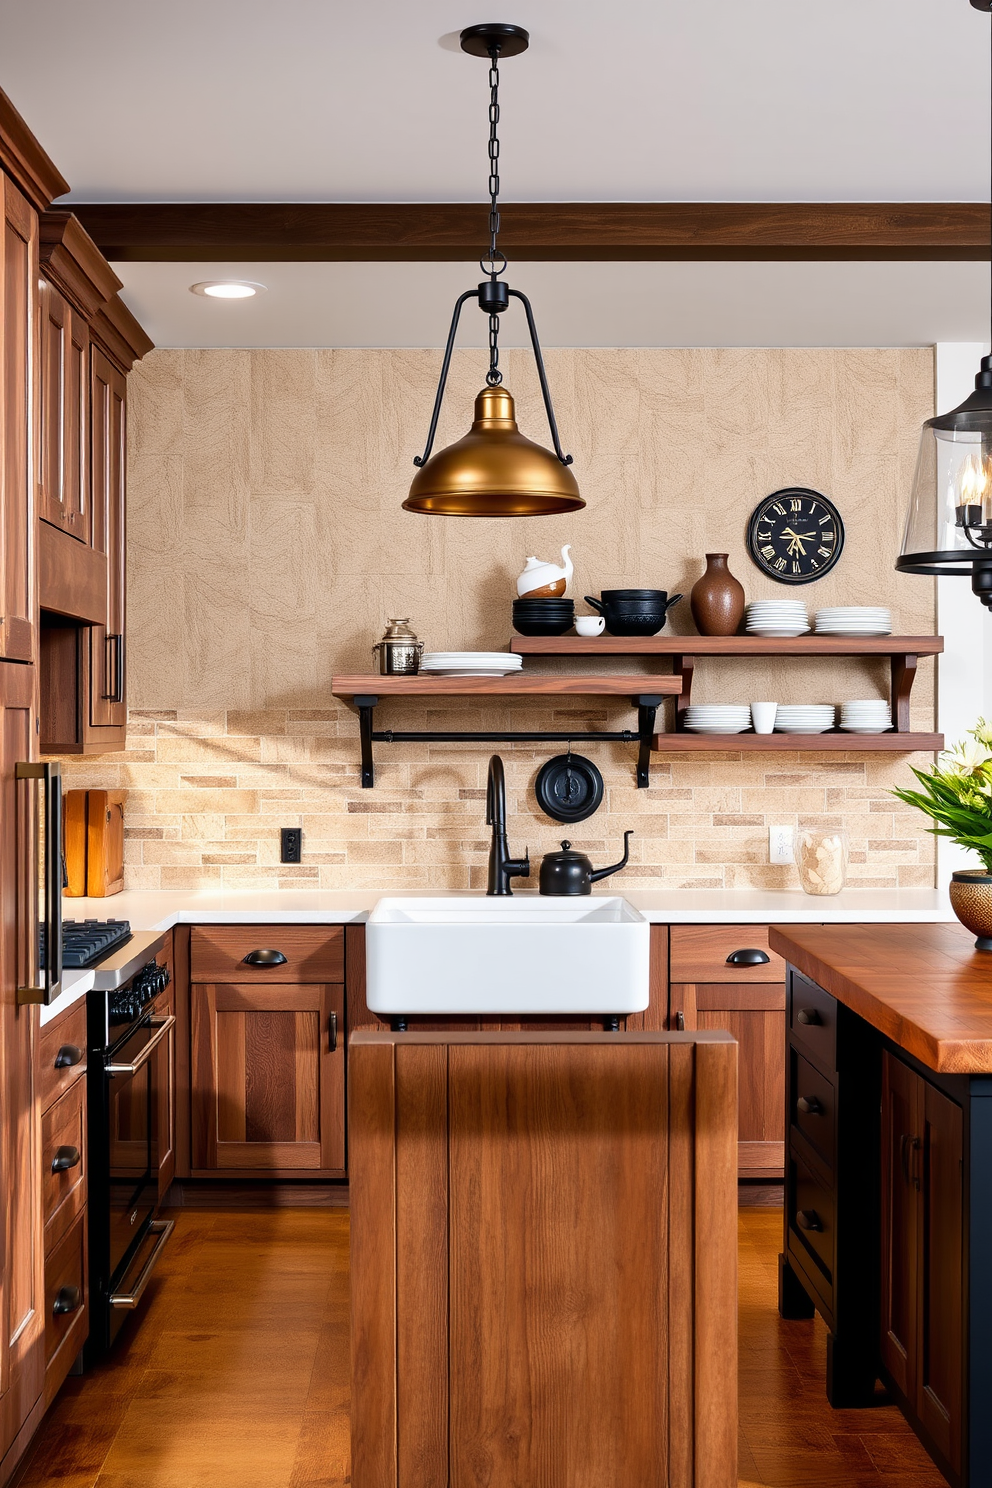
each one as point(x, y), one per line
point(748, 956)
point(64, 1159)
point(808, 1016)
point(809, 1105)
point(68, 1055)
point(808, 1219)
point(265, 958)
point(67, 1299)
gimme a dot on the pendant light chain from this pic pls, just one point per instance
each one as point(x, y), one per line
point(494, 376)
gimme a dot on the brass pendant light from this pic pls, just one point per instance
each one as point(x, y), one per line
point(494, 470)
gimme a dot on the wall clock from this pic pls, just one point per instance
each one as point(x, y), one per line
point(795, 535)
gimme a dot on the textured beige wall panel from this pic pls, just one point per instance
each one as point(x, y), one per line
point(268, 548)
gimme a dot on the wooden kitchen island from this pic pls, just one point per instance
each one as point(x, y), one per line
point(888, 1200)
point(544, 1259)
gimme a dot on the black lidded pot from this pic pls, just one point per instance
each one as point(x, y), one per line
point(571, 872)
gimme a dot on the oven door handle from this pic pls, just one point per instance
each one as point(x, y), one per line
point(162, 1026)
point(163, 1229)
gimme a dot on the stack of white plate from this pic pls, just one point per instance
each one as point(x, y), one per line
point(470, 663)
point(873, 716)
point(809, 718)
point(777, 617)
point(718, 718)
point(854, 620)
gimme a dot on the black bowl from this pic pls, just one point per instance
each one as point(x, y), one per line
point(642, 624)
point(535, 626)
point(545, 604)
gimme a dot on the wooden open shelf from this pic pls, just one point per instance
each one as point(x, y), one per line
point(524, 684)
point(739, 645)
point(827, 743)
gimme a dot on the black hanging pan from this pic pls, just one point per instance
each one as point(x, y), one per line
point(569, 788)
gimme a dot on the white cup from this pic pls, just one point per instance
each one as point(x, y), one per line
point(590, 625)
point(763, 717)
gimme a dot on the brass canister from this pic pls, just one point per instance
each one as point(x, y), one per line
point(399, 651)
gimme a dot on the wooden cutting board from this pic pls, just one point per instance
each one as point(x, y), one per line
point(94, 843)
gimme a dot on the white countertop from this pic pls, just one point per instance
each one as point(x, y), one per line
point(75, 984)
point(148, 909)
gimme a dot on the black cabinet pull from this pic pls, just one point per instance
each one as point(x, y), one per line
point(332, 1031)
point(115, 643)
point(808, 1219)
point(68, 1055)
point(64, 1159)
point(908, 1147)
point(809, 1105)
point(67, 1299)
point(749, 956)
point(265, 958)
point(680, 1022)
point(809, 1016)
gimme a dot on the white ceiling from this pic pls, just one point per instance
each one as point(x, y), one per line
point(576, 304)
point(696, 100)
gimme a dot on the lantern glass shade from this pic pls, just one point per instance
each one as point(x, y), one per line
point(494, 470)
point(950, 510)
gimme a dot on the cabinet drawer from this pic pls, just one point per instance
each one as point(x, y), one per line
point(813, 1102)
point(699, 954)
point(313, 953)
point(813, 1022)
point(61, 1041)
point(63, 1157)
point(66, 1313)
point(811, 1216)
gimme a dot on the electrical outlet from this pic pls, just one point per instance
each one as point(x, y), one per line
point(781, 847)
point(291, 840)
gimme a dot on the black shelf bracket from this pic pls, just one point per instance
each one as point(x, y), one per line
point(647, 705)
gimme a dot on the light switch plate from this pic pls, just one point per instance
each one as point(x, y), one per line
point(781, 845)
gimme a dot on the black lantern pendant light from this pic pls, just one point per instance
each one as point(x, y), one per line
point(494, 471)
point(949, 529)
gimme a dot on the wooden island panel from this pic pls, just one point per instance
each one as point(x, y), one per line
point(925, 987)
point(544, 1259)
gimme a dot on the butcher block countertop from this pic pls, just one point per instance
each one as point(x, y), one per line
point(925, 987)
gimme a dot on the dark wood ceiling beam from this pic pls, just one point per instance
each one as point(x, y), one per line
point(559, 230)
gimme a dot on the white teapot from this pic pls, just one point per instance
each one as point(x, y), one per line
point(545, 580)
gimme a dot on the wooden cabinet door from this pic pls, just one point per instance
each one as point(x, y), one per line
point(64, 484)
point(901, 1184)
point(22, 1280)
point(268, 1078)
point(941, 1306)
point(755, 1015)
point(18, 425)
point(108, 433)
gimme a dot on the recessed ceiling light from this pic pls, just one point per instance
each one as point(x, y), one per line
point(226, 289)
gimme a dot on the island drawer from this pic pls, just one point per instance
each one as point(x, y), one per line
point(700, 953)
point(811, 1215)
point(61, 1053)
point(813, 1022)
point(264, 954)
point(813, 1107)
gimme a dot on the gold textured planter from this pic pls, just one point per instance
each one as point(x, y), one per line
point(971, 901)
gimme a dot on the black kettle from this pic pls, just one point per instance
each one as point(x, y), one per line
point(570, 872)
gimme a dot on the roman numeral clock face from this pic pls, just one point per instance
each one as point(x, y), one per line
point(795, 536)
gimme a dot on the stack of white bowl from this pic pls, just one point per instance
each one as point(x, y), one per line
point(718, 718)
point(854, 620)
point(872, 716)
point(777, 617)
point(471, 663)
point(805, 718)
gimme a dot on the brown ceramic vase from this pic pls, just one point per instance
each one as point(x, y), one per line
point(717, 599)
point(971, 901)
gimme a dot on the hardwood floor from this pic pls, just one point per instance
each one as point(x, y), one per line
point(789, 1436)
point(238, 1374)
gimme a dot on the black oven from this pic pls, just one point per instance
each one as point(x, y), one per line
point(125, 1238)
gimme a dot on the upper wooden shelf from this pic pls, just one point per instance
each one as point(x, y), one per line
point(740, 645)
point(523, 684)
